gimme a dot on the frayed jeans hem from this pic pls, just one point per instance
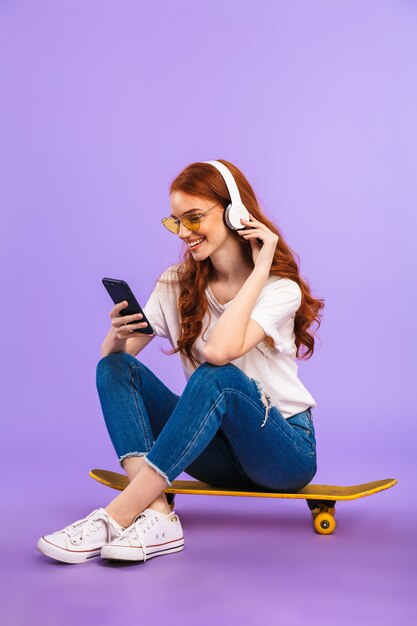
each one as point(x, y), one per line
point(128, 455)
point(158, 471)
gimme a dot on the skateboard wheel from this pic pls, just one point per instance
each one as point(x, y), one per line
point(324, 523)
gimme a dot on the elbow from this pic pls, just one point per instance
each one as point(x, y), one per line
point(215, 358)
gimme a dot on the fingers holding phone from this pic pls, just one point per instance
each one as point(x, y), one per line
point(127, 315)
point(124, 325)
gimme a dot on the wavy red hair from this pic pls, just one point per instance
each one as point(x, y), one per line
point(205, 181)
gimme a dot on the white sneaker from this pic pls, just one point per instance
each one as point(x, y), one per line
point(82, 540)
point(151, 534)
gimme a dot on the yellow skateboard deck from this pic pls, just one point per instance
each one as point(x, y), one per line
point(321, 499)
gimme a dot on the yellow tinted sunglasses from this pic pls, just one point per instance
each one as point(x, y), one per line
point(191, 221)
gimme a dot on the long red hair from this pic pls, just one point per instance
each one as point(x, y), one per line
point(205, 181)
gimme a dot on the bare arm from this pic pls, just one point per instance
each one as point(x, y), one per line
point(228, 335)
point(235, 333)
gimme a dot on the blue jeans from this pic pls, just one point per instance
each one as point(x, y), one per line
point(222, 430)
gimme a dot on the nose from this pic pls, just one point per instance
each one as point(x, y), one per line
point(184, 232)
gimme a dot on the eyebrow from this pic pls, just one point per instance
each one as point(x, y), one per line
point(187, 212)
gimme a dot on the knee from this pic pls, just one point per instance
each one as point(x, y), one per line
point(112, 365)
point(204, 368)
point(217, 372)
point(207, 368)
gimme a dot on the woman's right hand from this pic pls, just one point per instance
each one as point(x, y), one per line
point(119, 322)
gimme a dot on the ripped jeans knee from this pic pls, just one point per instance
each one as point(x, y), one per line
point(266, 400)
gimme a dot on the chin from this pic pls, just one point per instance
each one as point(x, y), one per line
point(200, 257)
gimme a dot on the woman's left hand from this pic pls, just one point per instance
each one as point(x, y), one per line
point(262, 254)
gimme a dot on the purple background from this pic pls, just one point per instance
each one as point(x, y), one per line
point(102, 104)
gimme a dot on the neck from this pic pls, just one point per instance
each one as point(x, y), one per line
point(229, 264)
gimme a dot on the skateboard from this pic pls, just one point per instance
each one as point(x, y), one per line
point(321, 499)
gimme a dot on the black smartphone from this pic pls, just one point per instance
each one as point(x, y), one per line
point(119, 291)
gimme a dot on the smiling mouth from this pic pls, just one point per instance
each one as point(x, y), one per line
point(196, 243)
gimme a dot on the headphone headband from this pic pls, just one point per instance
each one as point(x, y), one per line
point(229, 180)
point(236, 209)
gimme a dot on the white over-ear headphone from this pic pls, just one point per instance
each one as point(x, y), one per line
point(236, 209)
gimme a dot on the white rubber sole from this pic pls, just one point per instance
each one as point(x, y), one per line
point(66, 556)
point(133, 553)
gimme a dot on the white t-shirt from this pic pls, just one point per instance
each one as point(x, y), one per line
point(275, 368)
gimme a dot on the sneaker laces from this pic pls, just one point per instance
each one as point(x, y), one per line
point(90, 524)
point(137, 529)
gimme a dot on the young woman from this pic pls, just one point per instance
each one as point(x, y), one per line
point(237, 311)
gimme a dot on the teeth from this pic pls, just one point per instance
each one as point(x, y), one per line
point(195, 243)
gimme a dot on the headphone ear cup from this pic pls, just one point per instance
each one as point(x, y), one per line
point(226, 214)
point(233, 214)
